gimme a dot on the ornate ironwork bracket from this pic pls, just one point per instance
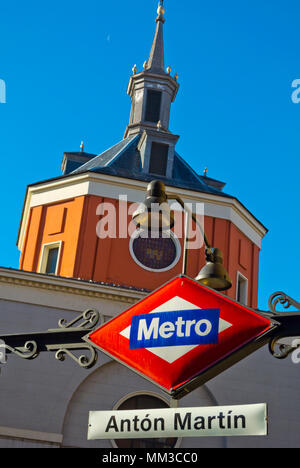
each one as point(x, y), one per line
point(68, 339)
point(65, 340)
point(65, 350)
point(289, 325)
point(28, 351)
point(90, 319)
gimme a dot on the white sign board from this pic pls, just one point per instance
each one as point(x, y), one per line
point(245, 420)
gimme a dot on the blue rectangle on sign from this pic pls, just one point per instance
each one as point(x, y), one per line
point(176, 328)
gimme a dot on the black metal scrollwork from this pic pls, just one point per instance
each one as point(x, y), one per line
point(65, 341)
point(28, 351)
point(282, 299)
point(289, 324)
point(283, 350)
point(82, 360)
point(90, 319)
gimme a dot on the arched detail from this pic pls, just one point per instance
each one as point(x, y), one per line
point(107, 386)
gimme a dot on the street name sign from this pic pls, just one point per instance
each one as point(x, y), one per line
point(244, 420)
point(182, 334)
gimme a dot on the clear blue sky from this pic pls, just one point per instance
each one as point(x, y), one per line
point(66, 65)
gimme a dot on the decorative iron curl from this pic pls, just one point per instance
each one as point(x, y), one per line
point(90, 319)
point(83, 360)
point(283, 351)
point(28, 351)
point(282, 299)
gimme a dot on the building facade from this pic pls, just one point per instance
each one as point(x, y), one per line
point(80, 250)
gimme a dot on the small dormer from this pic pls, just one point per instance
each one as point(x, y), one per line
point(157, 149)
point(72, 161)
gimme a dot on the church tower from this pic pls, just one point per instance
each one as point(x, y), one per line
point(79, 224)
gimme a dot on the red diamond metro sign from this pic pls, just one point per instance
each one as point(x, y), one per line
point(182, 335)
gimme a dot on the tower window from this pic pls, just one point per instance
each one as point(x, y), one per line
point(50, 258)
point(241, 289)
point(158, 159)
point(153, 106)
point(52, 261)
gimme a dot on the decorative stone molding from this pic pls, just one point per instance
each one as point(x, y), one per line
point(71, 286)
point(25, 434)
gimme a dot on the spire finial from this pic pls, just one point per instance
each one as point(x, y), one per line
point(159, 125)
point(161, 10)
point(82, 147)
point(155, 62)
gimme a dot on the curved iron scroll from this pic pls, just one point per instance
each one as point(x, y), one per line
point(289, 324)
point(90, 319)
point(65, 340)
point(82, 360)
point(282, 351)
point(282, 299)
point(28, 351)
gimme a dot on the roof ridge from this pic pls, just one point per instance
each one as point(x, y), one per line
point(209, 188)
point(100, 156)
point(132, 140)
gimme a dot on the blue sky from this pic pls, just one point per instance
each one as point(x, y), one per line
point(66, 65)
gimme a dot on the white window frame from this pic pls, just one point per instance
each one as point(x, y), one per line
point(44, 256)
point(239, 276)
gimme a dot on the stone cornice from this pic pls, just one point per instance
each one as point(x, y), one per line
point(64, 188)
point(71, 286)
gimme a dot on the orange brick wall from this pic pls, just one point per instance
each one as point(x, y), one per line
point(52, 223)
point(86, 256)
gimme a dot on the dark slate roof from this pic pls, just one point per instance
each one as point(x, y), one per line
point(124, 160)
point(71, 161)
point(107, 158)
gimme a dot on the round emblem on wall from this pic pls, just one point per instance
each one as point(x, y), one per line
point(155, 254)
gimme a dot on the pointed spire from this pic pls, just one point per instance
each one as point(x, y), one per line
point(156, 63)
point(150, 101)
